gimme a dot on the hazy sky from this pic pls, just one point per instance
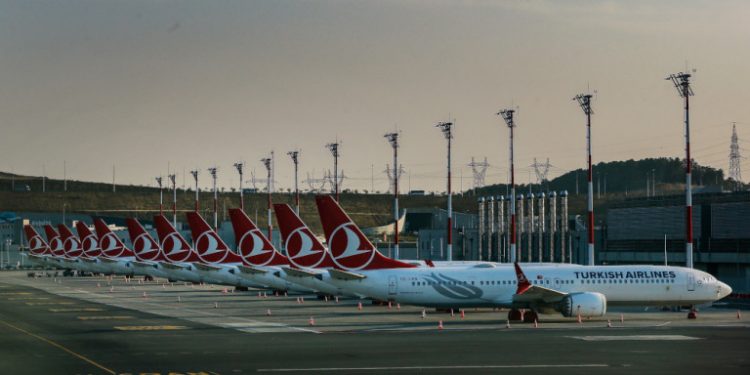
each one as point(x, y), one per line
point(147, 84)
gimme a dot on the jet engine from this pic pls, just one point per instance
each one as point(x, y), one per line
point(584, 304)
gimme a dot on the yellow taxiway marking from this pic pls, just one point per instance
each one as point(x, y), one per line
point(85, 309)
point(149, 328)
point(104, 317)
point(48, 303)
point(48, 341)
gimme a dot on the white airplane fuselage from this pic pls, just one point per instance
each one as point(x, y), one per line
point(496, 285)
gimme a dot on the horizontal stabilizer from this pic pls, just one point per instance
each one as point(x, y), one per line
point(140, 264)
point(206, 267)
point(172, 266)
point(251, 270)
point(345, 275)
point(298, 272)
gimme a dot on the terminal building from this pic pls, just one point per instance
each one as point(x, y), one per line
point(646, 230)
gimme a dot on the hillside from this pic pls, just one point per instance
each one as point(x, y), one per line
point(624, 179)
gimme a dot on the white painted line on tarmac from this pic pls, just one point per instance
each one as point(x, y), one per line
point(636, 338)
point(417, 368)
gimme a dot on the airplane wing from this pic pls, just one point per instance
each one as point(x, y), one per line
point(529, 293)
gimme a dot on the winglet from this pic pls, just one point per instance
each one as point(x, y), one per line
point(523, 282)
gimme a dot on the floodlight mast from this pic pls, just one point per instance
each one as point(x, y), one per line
point(173, 178)
point(507, 115)
point(194, 172)
point(212, 171)
point(240, 166)
point(681, 82)
point(447, 129)
point(267, 163)
point(334, 148)
point(161, 196)
point(584, 100)
point(295, 159)
point(393, 140)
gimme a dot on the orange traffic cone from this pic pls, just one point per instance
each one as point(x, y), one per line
point(463, 314)
point(609, 323)
point(536, 324)
point(424, 313)
point(622, 319)
point(268, 312)
point(507, 323)
point(579, 319)
point(179, 299)
point(398, 306)
point(739, 316)
point(452, 313)
point(98, 285)
point(359, 306)
point(145, 295)
point(312, 321)
point(440, 325)
point(337, 299)
point(216, 305)
point(224, 291)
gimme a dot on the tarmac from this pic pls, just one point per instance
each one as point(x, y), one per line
point(94, 325)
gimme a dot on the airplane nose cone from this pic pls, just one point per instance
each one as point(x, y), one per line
point(724, 290)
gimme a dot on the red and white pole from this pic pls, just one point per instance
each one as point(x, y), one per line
point(688, 180)
point(173, 178)
point(507, 115)
point(590, 201)
point(681, 82)
point(584, 100)
point(447, 129)
point(197, 190)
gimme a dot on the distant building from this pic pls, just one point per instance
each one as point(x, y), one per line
point(638, 230)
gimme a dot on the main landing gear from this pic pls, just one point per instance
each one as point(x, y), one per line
point(526, 316)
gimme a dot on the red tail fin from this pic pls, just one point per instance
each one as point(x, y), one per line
point(111, 245)
point(209, 246)
point(251, 243)
point(144, 246)
point(348, 245)
point(54, 241)
point(89, 242)
point(71, 244)
point(175, 248)
point(523, 282)
point(37, 245)
point(302, 247)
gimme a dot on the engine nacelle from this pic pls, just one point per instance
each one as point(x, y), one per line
point(584, 304)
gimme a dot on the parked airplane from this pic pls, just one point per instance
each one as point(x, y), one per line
point(39, 251)
point(91, 250)
point(115, 256)
point(569, 289)
point(260, 262)
point(150, 256)
point(56, 246)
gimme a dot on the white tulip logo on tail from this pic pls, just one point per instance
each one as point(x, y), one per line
point(109, 244)
point(208, 248)
point(348, 249)
point(144, 247)
point(299, 247)
point(172, 246)
point(55, 244)
point(36, 245)
point(253, 249)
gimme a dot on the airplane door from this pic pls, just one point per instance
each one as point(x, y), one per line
point(690, 282)
point(392, 285)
